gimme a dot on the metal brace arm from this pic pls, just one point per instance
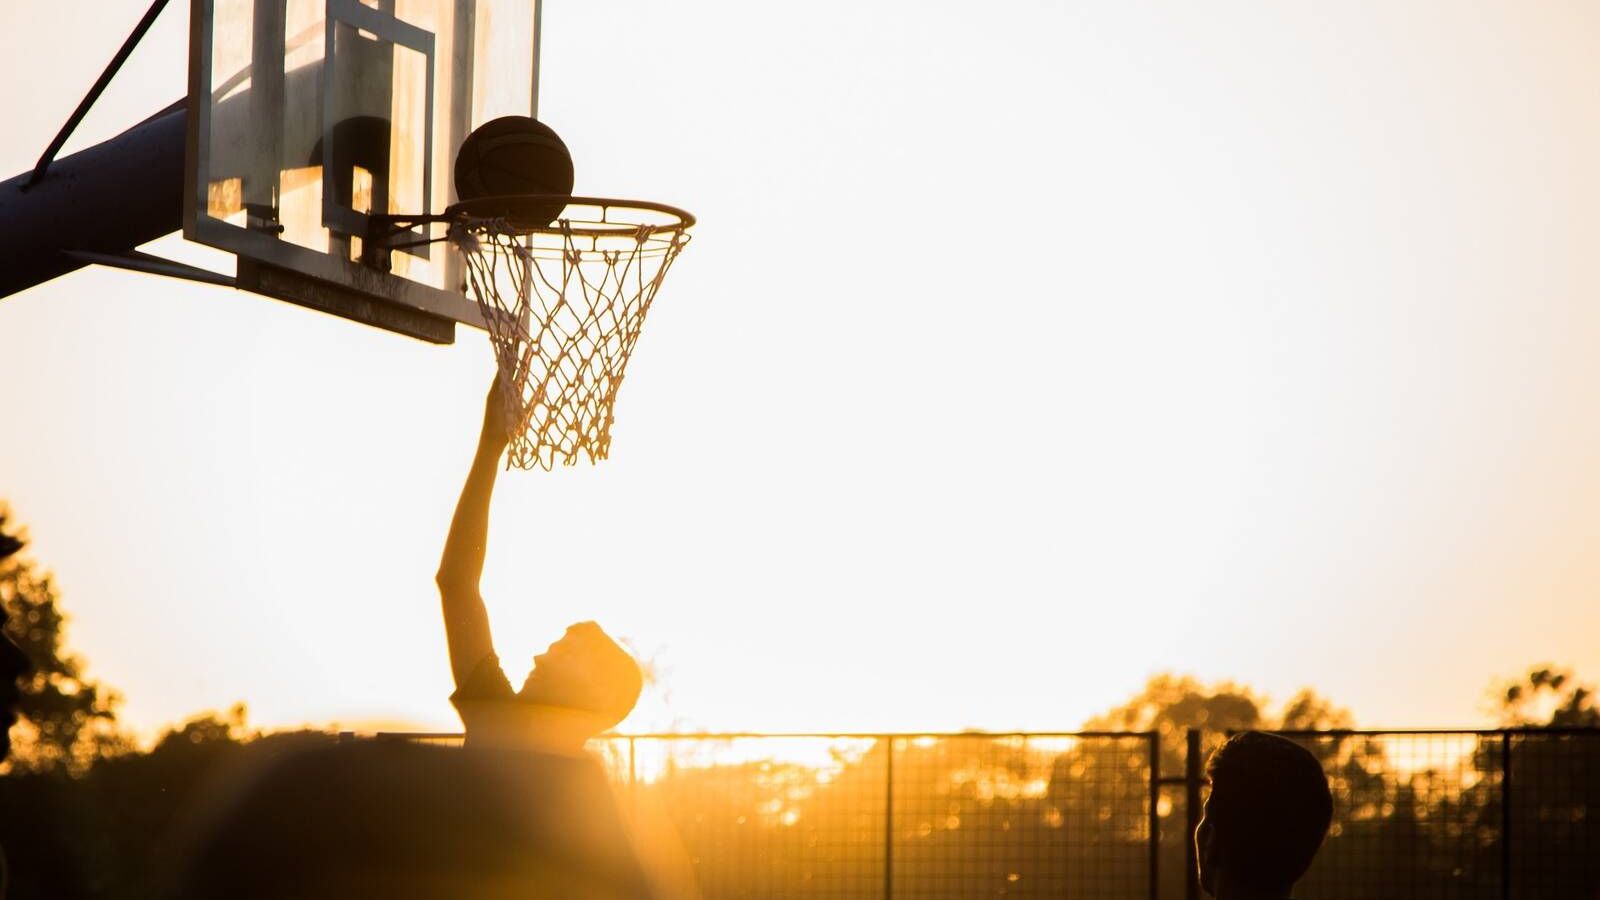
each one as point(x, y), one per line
point(139, 261)
point(43, 166)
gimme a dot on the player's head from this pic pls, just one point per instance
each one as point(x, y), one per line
point(13, 662)
point(1267, 815)
point(588, 673)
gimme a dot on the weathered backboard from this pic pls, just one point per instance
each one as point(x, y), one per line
point(306, 116)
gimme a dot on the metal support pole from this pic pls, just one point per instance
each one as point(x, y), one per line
point(43, 165)
point(1505, 815)
point(108, 199)
point(1155, 815)
point(1191, 803)
point(888, 819)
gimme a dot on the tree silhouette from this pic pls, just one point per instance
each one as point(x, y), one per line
point(67, 719)
point(1554, 795)
point(1546, 696)
point(104, 833)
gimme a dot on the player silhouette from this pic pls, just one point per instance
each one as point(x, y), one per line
point(521, 812)
point(581, 686)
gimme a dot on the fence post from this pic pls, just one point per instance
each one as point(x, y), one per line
point(633, 780)
point(1155, 815)
point(1191, 806)
point(888, 819)
point(1505, 814)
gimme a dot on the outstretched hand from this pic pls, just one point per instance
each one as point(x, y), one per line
point(496, 427)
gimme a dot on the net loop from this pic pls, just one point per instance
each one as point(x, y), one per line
point(564, 306)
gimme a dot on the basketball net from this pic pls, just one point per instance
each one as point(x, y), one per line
point(563, 308)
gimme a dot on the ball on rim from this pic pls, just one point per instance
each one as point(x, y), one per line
point(516, 155)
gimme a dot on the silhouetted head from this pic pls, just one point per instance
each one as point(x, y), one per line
point(1267, 815)
point(13, 662)
point(588, 673)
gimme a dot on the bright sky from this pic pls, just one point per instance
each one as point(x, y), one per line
point(1020, 354)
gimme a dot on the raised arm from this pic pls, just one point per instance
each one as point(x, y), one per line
point(466, 622)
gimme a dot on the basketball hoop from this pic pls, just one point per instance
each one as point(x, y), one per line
point(564, 302)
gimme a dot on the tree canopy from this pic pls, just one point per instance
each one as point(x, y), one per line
point(1547, 696)
point(67, 719)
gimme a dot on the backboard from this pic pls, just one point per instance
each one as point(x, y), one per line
point(307, 116)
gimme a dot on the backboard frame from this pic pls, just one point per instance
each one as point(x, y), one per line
point(283, 269)
point(353, 14)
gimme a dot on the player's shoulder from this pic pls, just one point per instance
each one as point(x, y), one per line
point(486, 683)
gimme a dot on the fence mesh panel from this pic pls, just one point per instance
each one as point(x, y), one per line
point(1427, 815)
point(949, 816)
point(979, 816)
point(1554, 814)
point(767, 817)
point(1415, 815)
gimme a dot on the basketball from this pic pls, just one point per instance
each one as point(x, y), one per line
point(515, 155)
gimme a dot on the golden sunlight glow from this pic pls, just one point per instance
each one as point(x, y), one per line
point(1144, 338)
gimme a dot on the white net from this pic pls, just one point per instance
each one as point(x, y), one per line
point(564, 307)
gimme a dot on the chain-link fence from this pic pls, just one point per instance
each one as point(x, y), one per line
point(1421, 814)
point(928, 816)
point(1459, 814)
point(870, 816)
